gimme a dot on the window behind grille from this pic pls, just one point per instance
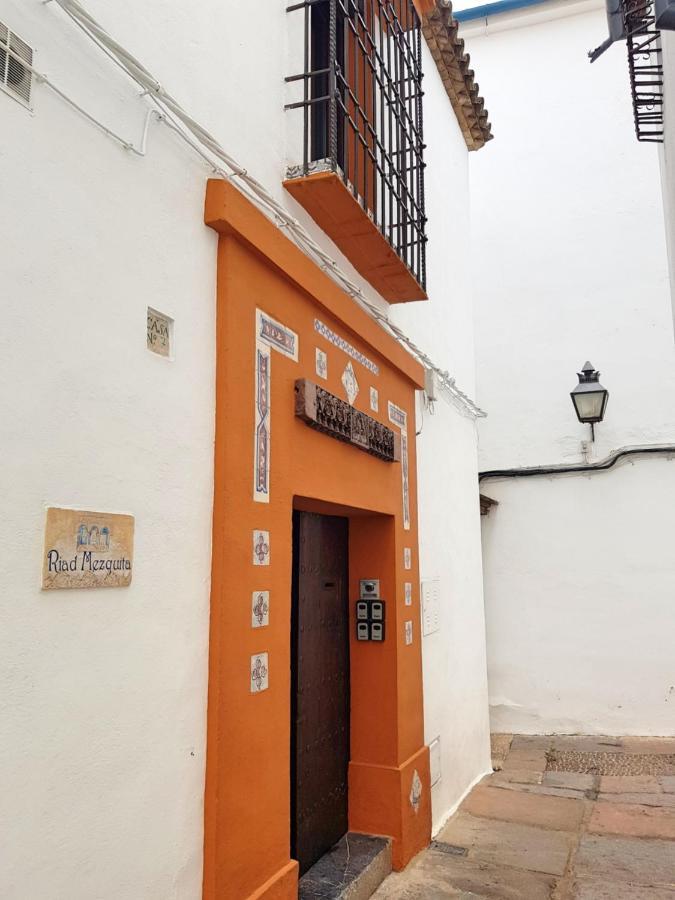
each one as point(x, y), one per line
point(363, 111)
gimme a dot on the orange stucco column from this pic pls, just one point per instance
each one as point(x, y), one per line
point(263, 277)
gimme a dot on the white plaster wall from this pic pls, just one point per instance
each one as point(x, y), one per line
point(579, 582)
point(667, 154)
point(104, 692)
point(455, 680)
point(570, 256)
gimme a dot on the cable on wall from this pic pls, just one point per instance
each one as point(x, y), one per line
point(601, 466)
point(200, 140)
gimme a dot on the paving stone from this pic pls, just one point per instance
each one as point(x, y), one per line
point(558, 813)
point(542, 790)
point(416, 885)
point(509, 844)
point(487, 880)
point(652, 745)
point(619, 859)
point(584, 743)
point(572, 780)
point(499, 745)
point(633, 820)
point(666, 800)
point(594, 889)
point(537, 743)
point(667, 783)
point(629, 784)
point(527, 760)
point(516, 776)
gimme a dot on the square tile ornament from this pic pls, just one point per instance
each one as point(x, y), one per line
point(350, 383)
point(261, 548)
point(374, 399)
point(321, 363)
point(259, 673)
point(408, 593)
point(260, 609)
point(408, 633)
point(407, 558)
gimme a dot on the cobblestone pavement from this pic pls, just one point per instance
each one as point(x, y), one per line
point(561, 818)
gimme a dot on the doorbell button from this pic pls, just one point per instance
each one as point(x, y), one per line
point(376, 631)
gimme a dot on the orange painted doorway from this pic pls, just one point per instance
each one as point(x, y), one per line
point(280, 320)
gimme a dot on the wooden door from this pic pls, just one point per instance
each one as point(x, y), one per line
point(319, 686)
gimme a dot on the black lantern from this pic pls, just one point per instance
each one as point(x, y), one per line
point(589, 397)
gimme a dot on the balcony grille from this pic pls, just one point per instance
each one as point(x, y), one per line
point(645, 68)
point(362, 112)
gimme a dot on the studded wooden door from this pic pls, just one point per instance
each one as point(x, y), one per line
point(319, 686)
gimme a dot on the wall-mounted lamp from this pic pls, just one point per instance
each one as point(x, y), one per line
point(589, 397)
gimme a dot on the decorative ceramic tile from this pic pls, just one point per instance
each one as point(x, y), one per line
point(321, 363)
point(397, 415)
point(350, 383)
point(408, 593)
point(374, 399)
point(416, 791)
point(400, 418)
point(261, 548)
point(261, 438)
point(344, 345)
point(87, 549)
point(259, 673)
point(276, 335)
point(405, 483)
point(260, 609)
point(407, 558)
point(160, 332)
point(408, 633)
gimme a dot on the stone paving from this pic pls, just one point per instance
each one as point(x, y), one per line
point(561, 818)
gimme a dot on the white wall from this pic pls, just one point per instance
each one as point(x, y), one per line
point(569, 251)
point(580, 581)
point(667, 154)
point(455, 679)
point(105, 691)
point(455, 682)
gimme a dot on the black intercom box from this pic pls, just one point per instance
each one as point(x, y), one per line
point(370, 620)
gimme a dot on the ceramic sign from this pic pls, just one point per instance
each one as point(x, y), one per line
point(87, 549)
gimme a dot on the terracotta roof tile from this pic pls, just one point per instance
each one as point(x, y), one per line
point(440, 27)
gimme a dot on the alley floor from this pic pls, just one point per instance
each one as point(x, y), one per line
point(584, 818)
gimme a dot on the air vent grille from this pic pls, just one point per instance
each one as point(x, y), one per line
point(15, 77)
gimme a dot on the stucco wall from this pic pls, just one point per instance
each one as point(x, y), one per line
point(455, 682)
point(105, 691)
point(568, 238)
point(667, 154)
point(579, 581)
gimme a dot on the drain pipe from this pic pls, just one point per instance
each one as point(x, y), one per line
point(600, 466)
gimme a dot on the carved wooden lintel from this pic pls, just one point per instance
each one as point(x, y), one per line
point(326, 412)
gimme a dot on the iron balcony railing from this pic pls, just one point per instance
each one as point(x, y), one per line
point(645, 66)
point(361, 104)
